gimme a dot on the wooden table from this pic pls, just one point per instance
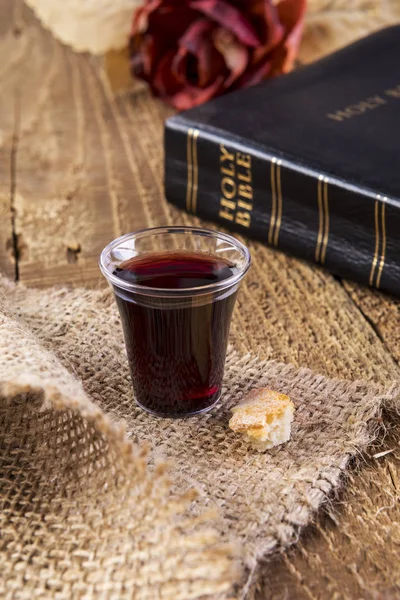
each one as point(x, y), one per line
point(81, 165)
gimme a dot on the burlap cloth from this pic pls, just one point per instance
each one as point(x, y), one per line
point(86, 513)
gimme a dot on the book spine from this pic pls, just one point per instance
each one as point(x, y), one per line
point(351, 231)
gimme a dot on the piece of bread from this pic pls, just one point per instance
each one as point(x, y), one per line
point(265, 418)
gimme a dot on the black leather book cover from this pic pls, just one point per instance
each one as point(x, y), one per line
point(308, 162)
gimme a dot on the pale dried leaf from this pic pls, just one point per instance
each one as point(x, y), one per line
point(332, 24)
point(94, 26)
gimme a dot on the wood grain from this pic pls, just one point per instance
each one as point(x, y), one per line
point(7, 241)
point(80, 165)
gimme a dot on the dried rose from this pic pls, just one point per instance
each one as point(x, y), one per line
point(191, 50)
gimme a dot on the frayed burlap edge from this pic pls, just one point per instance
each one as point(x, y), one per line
point(175, 555)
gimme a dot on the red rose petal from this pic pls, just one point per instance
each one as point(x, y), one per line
point(274, 34)
point(141, 16)
point(141, 56)
point(164, 82)
point(169, 22)
point(195, 35)
point(211, 65)
point(179, 66)
point(192, 96)
point(291, 13)
point(235, 55)
point(229, 17)
point(198, 41)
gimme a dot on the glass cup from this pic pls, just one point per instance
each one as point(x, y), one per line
point(176, 339)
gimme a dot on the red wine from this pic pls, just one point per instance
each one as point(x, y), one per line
point(176, 347)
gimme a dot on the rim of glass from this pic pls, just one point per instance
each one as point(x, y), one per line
point(153, 291)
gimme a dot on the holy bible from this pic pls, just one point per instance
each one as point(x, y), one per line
point(308, 162)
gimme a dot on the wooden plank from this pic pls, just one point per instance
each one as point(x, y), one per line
point(67, 188)
point(352, 553)
point(8, 102)
point(383, 312)
point(7, 242)
point(89, 167)
point(57, 155)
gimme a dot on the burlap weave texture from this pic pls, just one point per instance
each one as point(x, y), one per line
point(83, 516)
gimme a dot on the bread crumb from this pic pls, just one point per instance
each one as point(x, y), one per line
point(265, 417)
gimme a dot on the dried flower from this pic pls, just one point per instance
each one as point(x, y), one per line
point(192, 50)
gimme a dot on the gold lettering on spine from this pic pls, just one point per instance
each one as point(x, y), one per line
point(228, 204)
point(245, 205)
point(243, 160)
point(279, 198)
point(243, 218)
point(323, 230)
point(383, 250)
point(195, 172)
point(376, 253)
point(246, 191)
point(273, 196)
point(189, 162)
point(236, 201)
point(230, 172)
point(246, 176)
point(225, 154)
point(228, 187)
